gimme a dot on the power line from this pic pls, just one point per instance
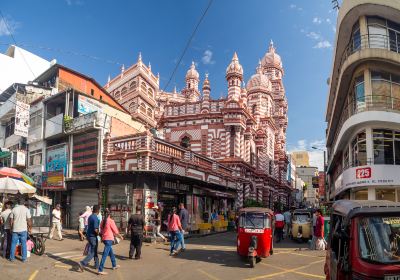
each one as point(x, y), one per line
point(188, 44)
point(15, 42)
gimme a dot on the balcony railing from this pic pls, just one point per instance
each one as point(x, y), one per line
point(148, 145)
point(84, 122)
point(366, 103)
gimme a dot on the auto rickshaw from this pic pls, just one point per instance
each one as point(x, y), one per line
point(255, 234)
point(301, 224)
point(364, 241)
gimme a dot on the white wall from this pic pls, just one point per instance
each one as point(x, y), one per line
point(14, 67)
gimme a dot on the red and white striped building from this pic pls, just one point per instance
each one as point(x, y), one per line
point(246, 130)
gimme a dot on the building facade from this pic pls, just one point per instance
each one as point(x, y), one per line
point(245, 131)
point(301, 158)
point(309, 175)
point(363, 112)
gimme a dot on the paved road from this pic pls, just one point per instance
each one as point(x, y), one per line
point(210, 258)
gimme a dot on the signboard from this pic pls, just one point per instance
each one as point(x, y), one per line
point(315, 182)
point(21, 119)
point(19, 158)
point(53, 180)
point(87, 105)
point(150, 201)
point(56, 159)
point(175, 187)
point(374, 175)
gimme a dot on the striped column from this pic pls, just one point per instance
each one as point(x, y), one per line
point(237, 141)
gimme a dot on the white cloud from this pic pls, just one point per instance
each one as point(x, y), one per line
point(292, 6)
point(334, 29)
point(295, 7)
point(313, 35)
point(207, 57)
point(7, 26)
point(317, 20)
point(316, 155)
point(325, 44)
point(328, 21)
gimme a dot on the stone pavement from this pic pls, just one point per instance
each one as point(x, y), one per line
point(210, 258)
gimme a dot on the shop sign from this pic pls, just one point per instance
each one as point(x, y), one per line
point(21, 119)
point(374, 175)
point(56, 159)
point(87, 105)
point(176, 186)
point(18, 158)
point(53, 180)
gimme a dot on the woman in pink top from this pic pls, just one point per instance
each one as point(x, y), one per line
point(175, 231)
point(108, 231)
point(86, 216)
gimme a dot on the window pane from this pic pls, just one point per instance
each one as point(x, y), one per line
point(377, 37)
point(361, 195)
point(392, 41)
point(385, 194)
point(397, 152)
point(380, 93)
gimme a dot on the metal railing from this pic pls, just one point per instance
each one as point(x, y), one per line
point(366, 103)
point(368, 41)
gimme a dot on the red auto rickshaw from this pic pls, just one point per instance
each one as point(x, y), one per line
point(255, 234)
point(364, 241)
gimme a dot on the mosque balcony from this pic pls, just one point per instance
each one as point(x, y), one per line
point(143, 152)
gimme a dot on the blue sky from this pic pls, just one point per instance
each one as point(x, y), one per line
point(96, 36)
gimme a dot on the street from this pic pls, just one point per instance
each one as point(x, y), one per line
point(213, 257)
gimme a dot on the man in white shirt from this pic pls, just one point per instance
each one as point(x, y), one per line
point(56, 225)
point(5, 221)
point(20, 220)
point(279, 225)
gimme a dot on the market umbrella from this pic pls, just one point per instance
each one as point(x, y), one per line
point(16, 174)
point(14, 186)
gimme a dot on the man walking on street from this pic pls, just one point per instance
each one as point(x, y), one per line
point(279, 225)
point(92, 233)
point(288, 222)
point(21, 223)
point(136, 224)
point(56, 222)
point(184, 218)
point(5, 221)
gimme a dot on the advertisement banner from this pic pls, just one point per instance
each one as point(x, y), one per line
point(374, 175)
point(53, 180)
point(87, 105)
point(56, 159)
point(20, 158)
point(21, 119)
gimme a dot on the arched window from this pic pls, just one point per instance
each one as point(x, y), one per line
point(150, 112)
point(254, 109)
point(150, 92)
point(117, 95)
point(143, 86)
point(132, 107)
point(132, 86)
point(142, 108)
point(185, 142)
point(123, 92)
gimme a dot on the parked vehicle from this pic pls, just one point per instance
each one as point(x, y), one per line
point(302, 224)
point(255, 234)
point(364, 241)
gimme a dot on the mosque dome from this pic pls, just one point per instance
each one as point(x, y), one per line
point(259, 81)
point(271, 58)
point(192, 72)
point(234, 68)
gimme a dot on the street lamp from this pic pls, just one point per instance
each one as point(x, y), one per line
point(325, 179)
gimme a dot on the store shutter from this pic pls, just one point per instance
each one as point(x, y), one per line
point(79, 200)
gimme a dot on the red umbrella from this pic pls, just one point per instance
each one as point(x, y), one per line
point(10, 172)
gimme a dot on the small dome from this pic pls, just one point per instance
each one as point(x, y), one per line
point(192, 72)
point(271, 58)
point(259, 81)
point(206, 83)
point(234, 68)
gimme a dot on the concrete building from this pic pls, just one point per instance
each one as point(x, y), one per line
point(321, 185)
point(20, 66)
point(309, 175)
point(363, 110)
point(301, 158)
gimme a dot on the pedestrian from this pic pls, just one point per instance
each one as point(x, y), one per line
point(56, 222)
point(81, 227)
point(214, 216)
point(319, 231)
point(175, 229)
point(314, 224)
point(5, 221)
point(86, 216)
point(157, 224)
point(136, 224)
point(279, 225)
point(21, 223)
point(288, 222)
point(184, 218)
point(108, 231)
point(91, 235)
